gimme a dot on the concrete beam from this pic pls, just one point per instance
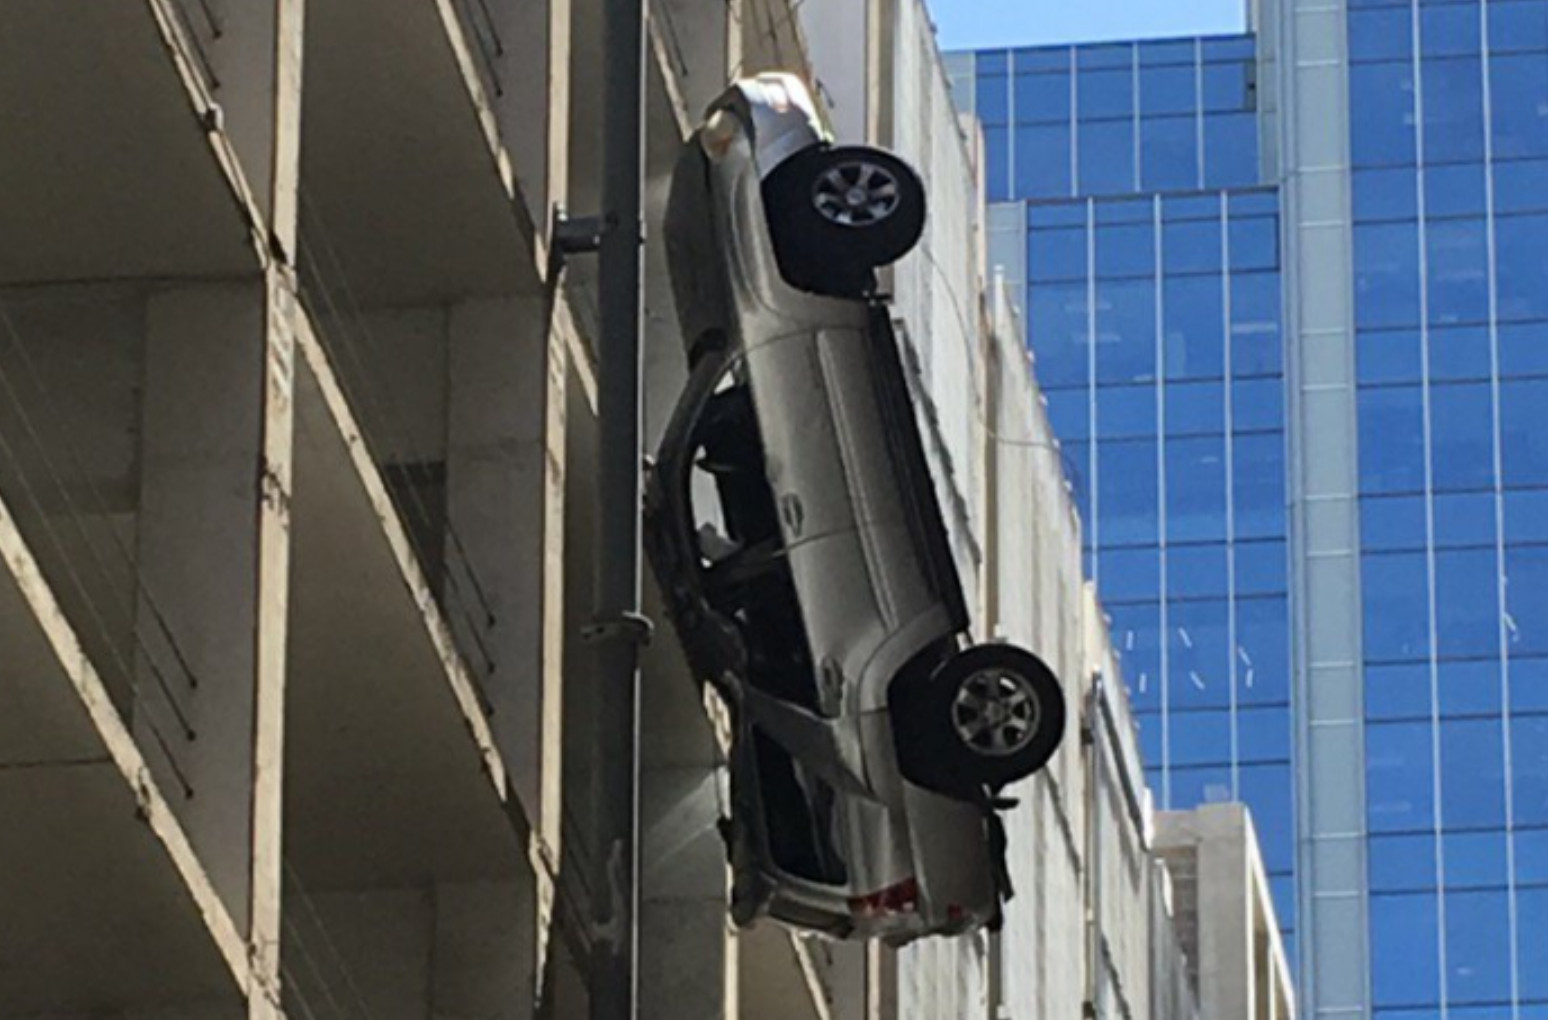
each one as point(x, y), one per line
point(735, 17)
point(846, 971)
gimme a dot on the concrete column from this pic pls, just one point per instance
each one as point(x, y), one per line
point(1225, 964)
point(284, 213)
point(506, 505)
point(505, 502)
point(277, 113)
point(482, 961)
point(275, 488)
point(848, 979)
point(213, 551)
point(881, 982)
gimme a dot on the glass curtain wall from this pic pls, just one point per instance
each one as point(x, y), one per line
point(1156, 327)
point(1065, 122)
point(1450, 150)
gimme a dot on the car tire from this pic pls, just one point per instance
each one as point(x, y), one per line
point(836, 213)
point(986, 717)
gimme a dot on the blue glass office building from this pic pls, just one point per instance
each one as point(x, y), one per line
point(1147, 252)
point(1288, 296)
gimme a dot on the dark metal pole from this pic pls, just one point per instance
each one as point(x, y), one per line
point(619, 628)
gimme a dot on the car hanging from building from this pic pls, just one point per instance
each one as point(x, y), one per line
point(793, 525)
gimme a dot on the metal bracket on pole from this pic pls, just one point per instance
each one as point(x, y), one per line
point(635, 628)
point(577, 235)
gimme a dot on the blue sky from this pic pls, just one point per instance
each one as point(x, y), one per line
point(965, 24)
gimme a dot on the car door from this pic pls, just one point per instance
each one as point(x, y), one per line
point(817, 421)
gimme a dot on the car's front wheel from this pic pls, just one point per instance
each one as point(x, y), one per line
point(838, 212)
point(987, 717)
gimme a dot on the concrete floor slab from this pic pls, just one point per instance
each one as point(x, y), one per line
point(103, 906)
point(402, 182)
point(391, 773)
point(119, 178)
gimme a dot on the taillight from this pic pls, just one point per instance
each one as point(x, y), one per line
point(902, 898)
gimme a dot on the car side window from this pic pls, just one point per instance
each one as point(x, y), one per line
point(800, 814)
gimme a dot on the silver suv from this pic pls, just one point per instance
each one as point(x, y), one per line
point(792, 523)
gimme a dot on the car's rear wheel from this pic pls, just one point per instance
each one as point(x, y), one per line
point(987, 717)
point(838, 212)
